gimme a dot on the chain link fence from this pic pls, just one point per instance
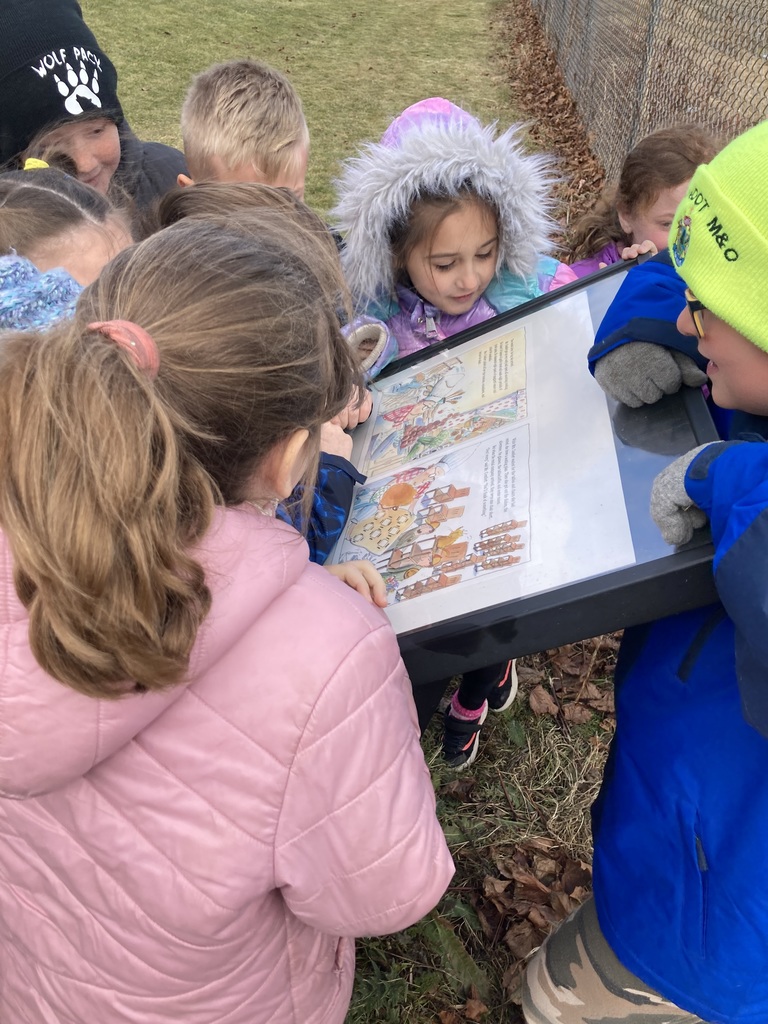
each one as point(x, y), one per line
point(633, 66)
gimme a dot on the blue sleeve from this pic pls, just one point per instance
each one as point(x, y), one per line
point(646, 308)
point(331, 502)
point(730, 482)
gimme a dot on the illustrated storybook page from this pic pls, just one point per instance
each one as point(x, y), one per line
point(491, 472)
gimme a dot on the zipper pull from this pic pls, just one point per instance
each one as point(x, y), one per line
point(431, 327)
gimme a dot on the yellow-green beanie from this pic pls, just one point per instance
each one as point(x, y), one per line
point(719, 237)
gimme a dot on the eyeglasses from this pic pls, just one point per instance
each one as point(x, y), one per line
point(696, 309)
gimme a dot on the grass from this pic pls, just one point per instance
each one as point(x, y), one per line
point(516, 819)
point(355, 65)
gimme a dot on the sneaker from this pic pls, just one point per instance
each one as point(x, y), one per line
point(505, 692)
point(461, 738)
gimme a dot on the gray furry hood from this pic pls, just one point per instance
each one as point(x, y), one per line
point(436, 148)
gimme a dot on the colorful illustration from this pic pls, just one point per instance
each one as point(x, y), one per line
point(432, 526)
point(492, 471)
point(454, 401)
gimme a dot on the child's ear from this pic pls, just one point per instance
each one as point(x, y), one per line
point(184, 181)
point(285, 465)
point(626, 225)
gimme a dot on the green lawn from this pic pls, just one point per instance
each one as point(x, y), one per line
point(355, 65)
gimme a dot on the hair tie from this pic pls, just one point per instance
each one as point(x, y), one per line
point(33, 164)
point(134, 339)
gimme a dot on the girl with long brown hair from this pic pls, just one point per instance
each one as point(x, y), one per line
point(210, 770)
point(633, 216)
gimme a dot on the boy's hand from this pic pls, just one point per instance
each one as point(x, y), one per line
point(672, 509)
point(363, 578)
point(358, 410)
point(632, 251)
point(639, 373)
point(334, 441)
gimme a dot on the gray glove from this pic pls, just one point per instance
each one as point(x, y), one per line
point(672, 509)
point(639, 373)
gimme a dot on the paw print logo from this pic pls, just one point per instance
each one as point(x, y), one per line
point(77, 86)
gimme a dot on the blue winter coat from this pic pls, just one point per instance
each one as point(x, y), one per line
point(681, 822)
point(646, 308)
point(331, 502)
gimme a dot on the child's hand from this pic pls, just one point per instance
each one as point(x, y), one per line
point(363, 578)
point(334, 441)
point(639, 373)
point(632, 251)
point(672, 509)
point(358, 410)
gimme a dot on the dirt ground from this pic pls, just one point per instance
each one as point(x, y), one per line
point(539, 91)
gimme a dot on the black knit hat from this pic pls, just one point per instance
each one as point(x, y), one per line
point(51, 70)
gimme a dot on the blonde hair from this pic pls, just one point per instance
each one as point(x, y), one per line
point(664, 159)
point(243, 112)
point(109, 478)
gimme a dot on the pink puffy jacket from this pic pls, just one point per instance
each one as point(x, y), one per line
point(208, 854)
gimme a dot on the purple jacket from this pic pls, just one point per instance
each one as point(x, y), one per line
point(418, 324)
point(414, 324)
point(608, 255)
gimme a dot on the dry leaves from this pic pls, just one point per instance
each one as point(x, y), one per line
point(449, 1017)
point(528, 675)
point(555, 125)
point(535, 889)
point(473, 1010)
point(563, 686)
point(459, 789)
point(542, 702)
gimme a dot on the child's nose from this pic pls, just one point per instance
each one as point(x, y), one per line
point(85, 161)
point(469, 278)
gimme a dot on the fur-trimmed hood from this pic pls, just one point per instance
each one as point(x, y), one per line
point(436, 148)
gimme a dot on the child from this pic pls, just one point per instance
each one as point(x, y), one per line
point(678, 929)
point(444, 223)
point(56, 234)
point(58, 92)
point(211, 776)
point(634, 216)
point(659, 360)
point(243, 121)
point(336, 475)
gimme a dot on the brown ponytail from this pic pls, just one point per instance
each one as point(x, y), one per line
point(109, 478)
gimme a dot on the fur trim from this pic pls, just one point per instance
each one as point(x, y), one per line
point(378, 186)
